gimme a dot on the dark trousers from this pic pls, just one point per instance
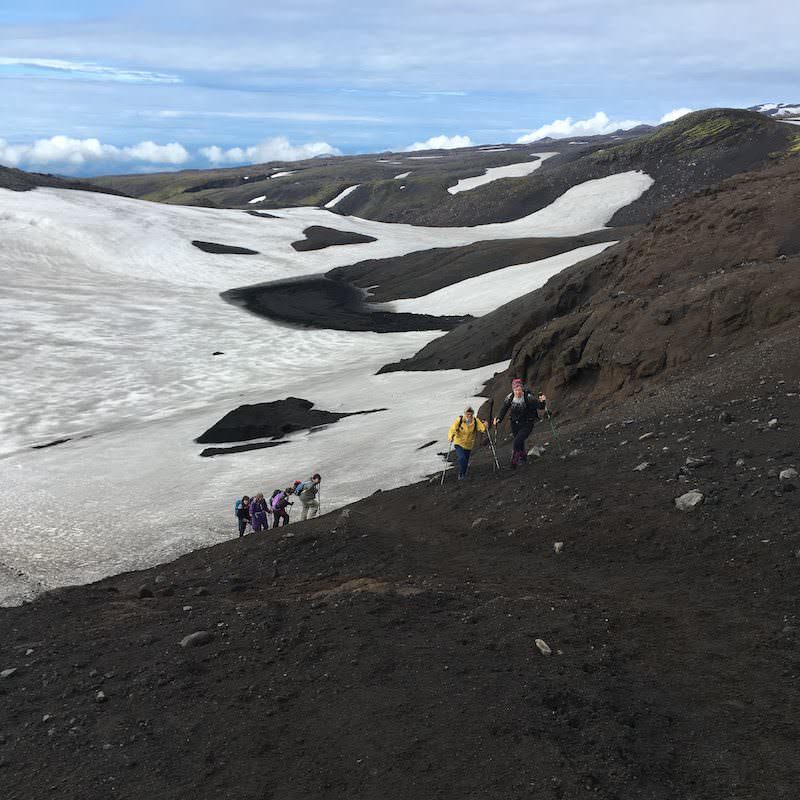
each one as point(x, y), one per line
point(279, 515)
point(521, 432)
point(463, 459)
point(242, 526)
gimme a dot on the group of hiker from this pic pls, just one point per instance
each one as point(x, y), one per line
point(262, 513)
point(523, 408)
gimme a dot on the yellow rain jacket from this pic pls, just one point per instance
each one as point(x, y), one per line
point(464, 434)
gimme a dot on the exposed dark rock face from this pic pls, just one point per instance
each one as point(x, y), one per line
point(223, 249)
point(263, 420)
point(320, 302)
point(18, 180)
point(425, 271)
point(319, 237)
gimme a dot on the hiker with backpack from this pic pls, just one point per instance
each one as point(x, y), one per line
point(258, 513)
point(279, 502)
point(524, 408)
point(243, 514)
point(308, 492)
point(463, 435)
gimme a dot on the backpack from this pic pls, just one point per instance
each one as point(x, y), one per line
point(299, 488)
point(474, 423)
point(277, 497)
point(237, 506)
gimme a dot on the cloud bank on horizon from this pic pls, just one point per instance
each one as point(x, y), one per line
point(220, 79)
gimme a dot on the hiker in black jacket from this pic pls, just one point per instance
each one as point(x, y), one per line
point(524, 408)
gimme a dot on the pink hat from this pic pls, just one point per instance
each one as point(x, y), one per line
point(516, 382)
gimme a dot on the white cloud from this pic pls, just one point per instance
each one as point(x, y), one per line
point(676, 113)
point(598, 124)
point(91, 71)
point(77, 152)
point(276, 149)
point(440, 143)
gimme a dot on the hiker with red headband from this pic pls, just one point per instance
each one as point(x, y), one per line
point(524, 408)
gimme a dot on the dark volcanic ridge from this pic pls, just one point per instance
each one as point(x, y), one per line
point(707, 276)
point(223, 249)
point(695, 151)
point(321, 302)
point(319, 237)
point(274, 419)
point(424, 271)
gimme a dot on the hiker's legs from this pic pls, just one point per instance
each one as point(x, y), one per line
point(518, 454)
point(242, 526)
point(310, 509)
point(463, 459)
point(281, 518)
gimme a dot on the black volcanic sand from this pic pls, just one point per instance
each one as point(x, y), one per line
point(262, 420)
point(425, 271)
point(210, 452)
point(319, 237)
point(321, 302)
point(223, 249)
point(390, 652)
point(18, 180)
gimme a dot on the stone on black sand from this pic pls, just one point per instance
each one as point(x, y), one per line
point(144, 591)
point(689, 501)
point(197, 639)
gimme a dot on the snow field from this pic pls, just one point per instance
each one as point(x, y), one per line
point(341, 196)
point(110, 316)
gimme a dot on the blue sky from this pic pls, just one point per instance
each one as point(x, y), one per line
point(91, 87)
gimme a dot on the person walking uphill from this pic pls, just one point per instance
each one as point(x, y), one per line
point(308, 492)
point(463, 433)
point(524, 408)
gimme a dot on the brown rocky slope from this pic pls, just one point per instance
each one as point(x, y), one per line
point(709, 275)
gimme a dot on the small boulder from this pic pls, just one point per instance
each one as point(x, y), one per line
point(544, 648)
point(642, 467)
point(788, 474)
point(478, 522)
point(100, 697)
point(725, 418)
point(558, 547)
point(7, 673)
point(536, 451)
point(689, 501)
point(645, 436)
point(144, 591)
point(773, 423)
point(197, 639)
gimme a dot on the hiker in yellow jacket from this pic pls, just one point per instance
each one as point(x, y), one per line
point(463, 435)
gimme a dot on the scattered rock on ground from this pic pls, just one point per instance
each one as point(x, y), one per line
point(689, 501)
point(197, 639)
point(788, 474)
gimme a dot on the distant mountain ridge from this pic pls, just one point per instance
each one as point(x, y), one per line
point(777, 110)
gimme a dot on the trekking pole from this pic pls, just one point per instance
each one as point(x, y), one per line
point(555, 432)
point(494, 450)
point(446, 463)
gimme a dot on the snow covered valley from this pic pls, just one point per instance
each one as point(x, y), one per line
point(110, 321)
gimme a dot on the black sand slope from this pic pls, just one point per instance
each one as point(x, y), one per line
point(396, 649)
point(425, 271)
point(320, 302)
point(274, 419)
point(318, 237)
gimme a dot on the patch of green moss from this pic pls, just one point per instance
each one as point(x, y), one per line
point(794, 145)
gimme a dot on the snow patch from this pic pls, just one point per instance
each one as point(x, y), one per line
point(341, 196)
point(496, 173)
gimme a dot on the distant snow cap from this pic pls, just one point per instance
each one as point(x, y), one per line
point(441, 143)
point(568, 127)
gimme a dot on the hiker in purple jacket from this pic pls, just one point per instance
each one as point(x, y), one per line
point(279, 503)
point(258, 513)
